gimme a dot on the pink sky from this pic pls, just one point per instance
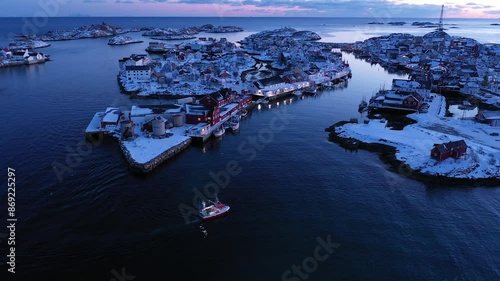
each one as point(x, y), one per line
point(231, 8)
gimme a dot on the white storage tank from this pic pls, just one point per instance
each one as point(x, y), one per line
point(159, 126)
point(127, 128)
point(178, 120)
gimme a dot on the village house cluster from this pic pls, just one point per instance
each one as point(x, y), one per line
point(268, 64)
point(187, 69)
point(214, 82)
point(447, 64)
point(305, 65)
point(10, 57)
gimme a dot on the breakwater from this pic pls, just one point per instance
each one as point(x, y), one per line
point(158, 160)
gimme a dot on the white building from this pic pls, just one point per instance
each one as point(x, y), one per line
point(134, 60)
point(141, 73)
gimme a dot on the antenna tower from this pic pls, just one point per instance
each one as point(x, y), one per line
point(440, 25)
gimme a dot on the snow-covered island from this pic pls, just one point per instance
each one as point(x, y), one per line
point(27, 42)
point(436, 147)
point(123, 40)
point(451, 65)
point(186, 31)
point(82, 32)
point(158, 31)
point(224, 29)
point(174, 37)
point(268, 64)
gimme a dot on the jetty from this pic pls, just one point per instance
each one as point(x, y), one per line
point(151, 135)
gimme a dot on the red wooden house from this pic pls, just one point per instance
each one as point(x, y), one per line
point(216, 99)
point(413, 101)
point(202, 114)
point(453, 149)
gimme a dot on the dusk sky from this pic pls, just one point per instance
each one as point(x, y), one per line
point(265, 8)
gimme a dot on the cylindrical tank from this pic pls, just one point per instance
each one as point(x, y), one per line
point(178, 120)
point(158, 126)
point(127, 128)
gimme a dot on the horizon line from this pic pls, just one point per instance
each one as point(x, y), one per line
point(125, 16)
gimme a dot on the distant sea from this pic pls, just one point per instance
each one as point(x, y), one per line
point(295, 191)
point(343, 30)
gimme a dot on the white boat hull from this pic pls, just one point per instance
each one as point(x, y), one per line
point(219, 133)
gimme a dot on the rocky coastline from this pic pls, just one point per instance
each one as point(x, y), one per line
point(387, 154)
point(189, 31)
point(83, 32)
point(123, 40)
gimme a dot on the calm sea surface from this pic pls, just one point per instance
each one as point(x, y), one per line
point(101, 220)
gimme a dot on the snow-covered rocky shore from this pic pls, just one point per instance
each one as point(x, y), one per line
point(123, 40)
point(413, 144)
point(190, 30)
point(82, 32)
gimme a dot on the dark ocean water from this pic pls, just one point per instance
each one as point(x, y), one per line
point(292, 190)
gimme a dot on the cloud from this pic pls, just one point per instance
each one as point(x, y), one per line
point(376, 9)
point(493, 12)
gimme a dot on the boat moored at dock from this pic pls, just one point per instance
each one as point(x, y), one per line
point(219, 132)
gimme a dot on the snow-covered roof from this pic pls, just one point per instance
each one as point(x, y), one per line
point(136, 111)
point(111, 115)
point(399, 102)
point(491, 114)
point(227, 108)
point(196, 109)
point(395, 96)
point(405, 83)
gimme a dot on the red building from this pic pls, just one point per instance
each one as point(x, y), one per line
point(453, 149)
point(218, 99)
point(202, 114)
point(216, 106)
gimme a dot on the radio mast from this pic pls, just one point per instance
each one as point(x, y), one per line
point(440, 24)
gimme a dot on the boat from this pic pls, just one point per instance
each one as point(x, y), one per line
point(262, 101)
point(297, 93)
point(213, 210)
point(235, 124)
point(363, 105)
point(219, 132)
point(243, 112)
point(156, 50)
point(310, 91)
